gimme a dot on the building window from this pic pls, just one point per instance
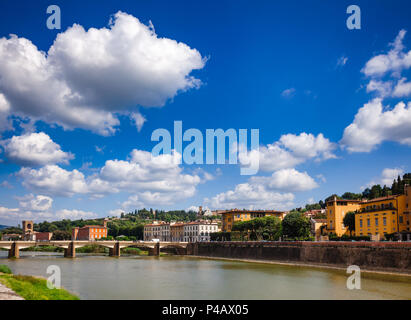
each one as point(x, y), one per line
point(376, 222)
point(360, 223)
point(368, 222)
point(384, 221)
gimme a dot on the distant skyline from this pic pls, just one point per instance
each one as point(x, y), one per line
point(78, 105)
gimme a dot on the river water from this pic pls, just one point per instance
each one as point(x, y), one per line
point(140, 277)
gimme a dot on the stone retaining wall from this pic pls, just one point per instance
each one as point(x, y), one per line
point(382, 256)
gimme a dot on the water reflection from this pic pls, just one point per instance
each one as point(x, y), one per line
point(102, 277)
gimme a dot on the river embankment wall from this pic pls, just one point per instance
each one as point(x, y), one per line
point(379, 256)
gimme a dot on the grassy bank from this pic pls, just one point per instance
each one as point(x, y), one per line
point(32, 288)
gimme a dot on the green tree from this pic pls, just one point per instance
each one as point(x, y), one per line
point(296, 225)
point(376, 191)
point(61, 235)
point(349, 221)
point(351, 196)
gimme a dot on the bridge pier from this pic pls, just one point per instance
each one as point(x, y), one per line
point(14, 251)
point(115, 251)
point(70, 252)
point(154, 251)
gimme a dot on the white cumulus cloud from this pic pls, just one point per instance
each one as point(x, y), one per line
point(149, 180)
point(35, 203)
point(387, 177)
point(375, 123)
point(289, 151)
point(74, 214)
point(394, 61)
point(287, 180)
point(34, 149)
point(251, 196)
point(87, 76)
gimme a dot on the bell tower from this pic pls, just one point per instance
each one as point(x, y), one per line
point(27, 226)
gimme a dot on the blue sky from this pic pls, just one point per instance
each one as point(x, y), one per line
point(325, 99)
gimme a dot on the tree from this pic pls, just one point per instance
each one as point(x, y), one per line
point(366, 193)
point(322, 204)
point(351, 196)
point(296, 225)
point(266, 228)
point(61, 235)
point(349, 221)
point(376, 191)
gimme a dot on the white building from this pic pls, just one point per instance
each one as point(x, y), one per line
point(157, 230)
point(199, 231)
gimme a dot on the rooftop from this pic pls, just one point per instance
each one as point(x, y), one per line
point(381, 199)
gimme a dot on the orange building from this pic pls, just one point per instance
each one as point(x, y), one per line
point(89, 233)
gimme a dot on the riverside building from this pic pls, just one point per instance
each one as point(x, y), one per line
point(375, 217)
point(231, 216)
point(89, 232)
point(199, 231)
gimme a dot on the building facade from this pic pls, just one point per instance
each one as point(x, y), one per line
point(375, 217)
point(89, 233)
point(199, 231)
point(157, 230)
point(317, 227)
point(177, 232)
point(336, 211)
point(180, 232)
point(231, 216)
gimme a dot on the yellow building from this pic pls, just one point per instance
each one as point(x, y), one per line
point(385, 215)
point(336, 210)
point(231, 216)
point(380, 216)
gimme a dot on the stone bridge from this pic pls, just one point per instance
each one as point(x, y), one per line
point(114, 246)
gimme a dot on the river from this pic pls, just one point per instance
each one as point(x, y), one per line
point(176, 277)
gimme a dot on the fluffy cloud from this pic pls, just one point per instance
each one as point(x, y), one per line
point(35, 149)
point(74, 214)
point(286, 180)
point(375, 123)
point(150, 180)
point(382, 88)
point(138, 120)
point(402, 89)
point(308, 146)
point(89, 75)
point(251, 196)
point(35, 203)
point(54, 180)
point(289, 151)
point(387, 177)
point(391, 64)
point(13, 216)
point(394, 61)
point(116, 212)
